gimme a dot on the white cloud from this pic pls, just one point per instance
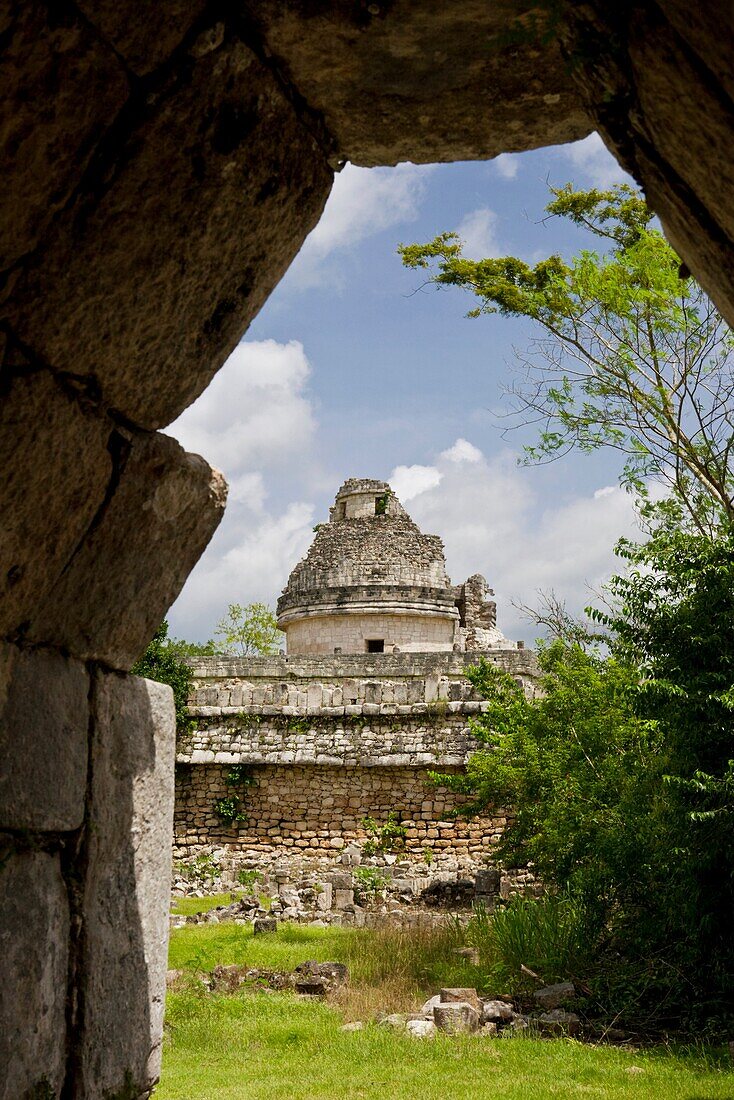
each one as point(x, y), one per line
point(408, 481)
point(493, 521)
point(592, 163)
point(506, 165)
point(363, 202)
point(462, 451)
point(478, 234)
point(248, 562)
point(255, 417)
point(255, 410)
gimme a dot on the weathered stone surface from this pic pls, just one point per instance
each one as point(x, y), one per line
point(421, 1029)
point(658, 96)
point(61, 88)
point(205, 196)
point(455, 1017)
point(426, 82)
point(126, 889)
point(497, 1012)
point(553, 996)
point(148, 39)
point(558, 1022)
point(55, 469)
point(461, 996)
point(263, 925)
point(159, 516)
point(34, 933)
point(44, 723)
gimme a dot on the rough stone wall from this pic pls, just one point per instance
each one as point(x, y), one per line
point(328, 741)
point(86, 809)
point(316, 810)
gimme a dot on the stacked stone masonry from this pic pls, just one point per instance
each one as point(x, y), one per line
point(327, 742)
point(163, 164)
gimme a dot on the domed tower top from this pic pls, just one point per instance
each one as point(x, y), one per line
point(371, 581)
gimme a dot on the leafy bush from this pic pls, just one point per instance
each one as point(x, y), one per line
point(388, 836)
point(369, 883)
point(229, 810)
point(547, 935)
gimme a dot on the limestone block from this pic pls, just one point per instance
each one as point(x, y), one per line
point(44, 724)
point(126, 888)
point(155, 524)
point(62, 88)
point(461, 996)
point(34, 934)
point(163, 286)
point(343, 898)
point(455, 1017)
point(55, 467)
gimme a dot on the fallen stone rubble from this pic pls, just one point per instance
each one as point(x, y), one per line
point(358, 896)
point(461, 1011)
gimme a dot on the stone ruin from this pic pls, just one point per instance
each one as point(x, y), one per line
point(309, 750)
point(163, 164)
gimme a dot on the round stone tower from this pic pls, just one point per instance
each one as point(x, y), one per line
point(371, 582)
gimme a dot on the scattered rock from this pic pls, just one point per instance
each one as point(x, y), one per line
point(421, 1029)
point(461, 996)
point(553, 996)
point(490, 1030)
point(395, 1019)
point(456, 1016)
point(497, 1012)
point(311, 986)
point(357, 1025)
point(262, 925)
point(227, 979)
point(558, 1022)
point(429, 1006)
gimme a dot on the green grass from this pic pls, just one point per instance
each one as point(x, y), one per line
point(250, 1046)
point(187, 907)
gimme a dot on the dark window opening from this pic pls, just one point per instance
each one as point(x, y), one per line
point(381, 504)
point(376, 645)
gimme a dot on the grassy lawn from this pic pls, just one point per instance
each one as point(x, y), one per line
point(187, 907)
point(250, 1046)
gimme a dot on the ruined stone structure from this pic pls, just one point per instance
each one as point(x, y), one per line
point(163, 163)
point(334, 733)
point(373, 583)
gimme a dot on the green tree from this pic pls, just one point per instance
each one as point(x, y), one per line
point(249, 629)
point(581, 775)
point(675, 620)
point(632, 354)
point(162, 661)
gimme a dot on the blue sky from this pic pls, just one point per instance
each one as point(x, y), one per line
point(351, 369)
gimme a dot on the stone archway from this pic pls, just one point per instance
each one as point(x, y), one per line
point(164, 163)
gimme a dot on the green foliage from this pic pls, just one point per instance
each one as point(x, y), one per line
point(201, 871)
point(240, 775)
point(633, 355)
point(249, 629)
point(229, 810)
point(248, 878)
point(381, 504)
point(162, 662)
point(580, 772)
point(548, 935)
point(369, 883)
point(674, 617)
point(387, 836)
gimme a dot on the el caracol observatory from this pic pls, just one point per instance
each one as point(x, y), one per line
point(372, 582)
